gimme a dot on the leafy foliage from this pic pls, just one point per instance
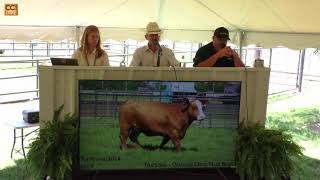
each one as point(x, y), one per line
point(52, 151)
point(264, 153)
point(296, 122)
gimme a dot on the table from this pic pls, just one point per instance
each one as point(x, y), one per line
point(20, 124)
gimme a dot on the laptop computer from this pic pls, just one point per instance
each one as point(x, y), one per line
point(64, 61)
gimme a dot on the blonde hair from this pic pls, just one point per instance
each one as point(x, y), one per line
point(84, 42)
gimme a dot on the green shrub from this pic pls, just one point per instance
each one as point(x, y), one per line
point(52, 151)
point(264, 154)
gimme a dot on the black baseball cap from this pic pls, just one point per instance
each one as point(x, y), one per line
point(221, 33)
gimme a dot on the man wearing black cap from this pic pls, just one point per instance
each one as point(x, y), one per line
point(216, 53)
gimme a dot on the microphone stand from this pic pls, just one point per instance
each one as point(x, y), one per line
point(159, 54)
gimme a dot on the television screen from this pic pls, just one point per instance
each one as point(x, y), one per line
point(139, 125)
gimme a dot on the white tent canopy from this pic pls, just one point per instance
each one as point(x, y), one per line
point(291, 23)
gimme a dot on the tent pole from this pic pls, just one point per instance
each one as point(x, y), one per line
point(161, 5)
point(298, 69)
point(301, 69)
point(78, 36)
point(240, 43)
point(270, 57)
point(245, 56)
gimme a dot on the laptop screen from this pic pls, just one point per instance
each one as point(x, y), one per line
point(64, 61)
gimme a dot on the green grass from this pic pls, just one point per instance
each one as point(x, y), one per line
point(201, 147)
point(18, 68)
point(16, 172)
point(296, 123)
point(280, 97)
point(308, 169)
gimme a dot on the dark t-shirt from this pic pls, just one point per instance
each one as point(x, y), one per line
point(207, 51)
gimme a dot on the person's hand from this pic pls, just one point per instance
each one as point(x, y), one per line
point(225, 52)
point(234, 53)
point(237, 60)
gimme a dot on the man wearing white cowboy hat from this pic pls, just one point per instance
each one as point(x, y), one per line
point(153, 55)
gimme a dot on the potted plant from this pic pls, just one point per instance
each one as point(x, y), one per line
point(52, 151)
point(264, 153)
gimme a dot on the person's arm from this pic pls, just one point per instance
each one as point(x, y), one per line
point(103, 60)
point(237, 60)
point(136, 61)
point(209, 62)
point(76, 55)
point(106, 59)
point(172, 60)
point(198, 58)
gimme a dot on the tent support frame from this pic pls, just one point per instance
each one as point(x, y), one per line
point(301, 67)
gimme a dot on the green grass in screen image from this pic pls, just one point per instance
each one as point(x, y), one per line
point(201, 148)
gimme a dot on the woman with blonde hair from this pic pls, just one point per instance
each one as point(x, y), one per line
point(90, 52)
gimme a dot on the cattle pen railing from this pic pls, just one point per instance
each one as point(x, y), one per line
point(26, 71)
point(35, 53)
point(221, 111)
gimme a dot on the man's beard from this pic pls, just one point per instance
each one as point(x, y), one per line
point(222, 45)
point(155, 42)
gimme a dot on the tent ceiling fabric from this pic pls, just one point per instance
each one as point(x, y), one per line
point(44, 33)
point(269, 22)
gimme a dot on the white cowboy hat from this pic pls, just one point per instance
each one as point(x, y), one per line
point(153, 28)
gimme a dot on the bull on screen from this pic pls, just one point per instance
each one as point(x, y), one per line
point(157, 124)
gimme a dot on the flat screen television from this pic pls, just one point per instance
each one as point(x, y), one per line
point(146, 126)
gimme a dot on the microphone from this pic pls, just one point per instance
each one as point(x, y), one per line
point(228, 58)
point(159, 53)
point(160, 49)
